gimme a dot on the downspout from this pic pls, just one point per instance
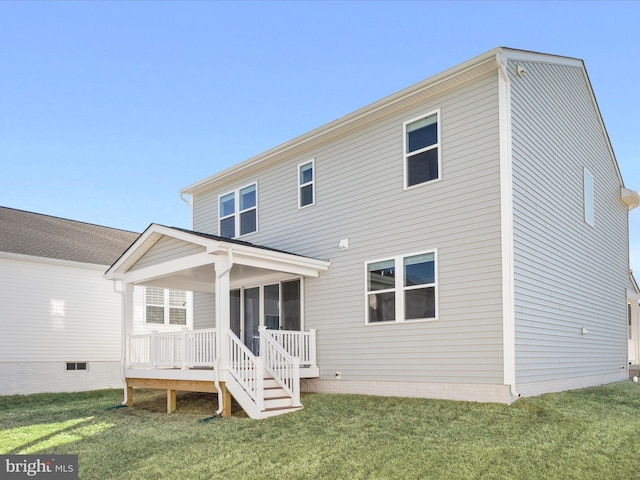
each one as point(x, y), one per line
point(124, 341)
point(216, 367)
point(506, 195)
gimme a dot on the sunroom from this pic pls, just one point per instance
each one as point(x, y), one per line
point(247, 339)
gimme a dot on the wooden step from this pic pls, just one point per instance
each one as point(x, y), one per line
point(272, 412)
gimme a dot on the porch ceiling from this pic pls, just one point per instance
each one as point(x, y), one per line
point(181, 259)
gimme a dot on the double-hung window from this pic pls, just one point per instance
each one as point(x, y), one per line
point(306, 187)
point(422, 150)
point(238, 212)
point(402, 288)
point(165, 307)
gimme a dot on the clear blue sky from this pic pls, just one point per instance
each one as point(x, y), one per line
point(107, 109)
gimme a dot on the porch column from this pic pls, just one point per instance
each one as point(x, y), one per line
point(127, 322)
point(223, 309)
point(127, 329)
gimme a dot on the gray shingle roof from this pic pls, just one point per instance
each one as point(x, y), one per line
point(40, 235)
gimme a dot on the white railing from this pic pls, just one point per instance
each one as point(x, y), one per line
point(184, 349)
point(247, 369)
point(284, 368)
point(297, 344)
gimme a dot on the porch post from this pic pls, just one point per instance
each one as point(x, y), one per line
point(127, 323)
point(223, 309)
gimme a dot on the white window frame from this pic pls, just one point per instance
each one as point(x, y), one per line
point(312, 183)
point(166, 308)
point(406, 155)
point(588, 186)
point(399, 288)
point(236, 210)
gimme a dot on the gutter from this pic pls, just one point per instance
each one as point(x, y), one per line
point(124, 341)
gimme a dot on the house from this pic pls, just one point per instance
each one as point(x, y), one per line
point(60, 322)
point(465, 238)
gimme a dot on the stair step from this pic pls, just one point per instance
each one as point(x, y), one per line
point(278, 402)
point(272, 412)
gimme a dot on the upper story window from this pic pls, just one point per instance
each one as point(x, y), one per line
point(165, 307)
point(238, 213)
point(588, 198)
point(306, 187)
point(422, 150)
point(402, 288)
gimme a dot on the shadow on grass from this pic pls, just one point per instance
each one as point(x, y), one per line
point(37, 437)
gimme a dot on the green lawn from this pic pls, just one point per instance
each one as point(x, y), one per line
point(586, 434)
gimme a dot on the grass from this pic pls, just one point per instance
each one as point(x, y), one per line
point(586, 434)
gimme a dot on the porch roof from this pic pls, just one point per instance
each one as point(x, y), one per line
point(168, 252)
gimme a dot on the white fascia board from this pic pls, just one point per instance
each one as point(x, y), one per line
point(148, 274)
point(144, 243)
point(272, 260)
point(510, 54)
point(51, 261)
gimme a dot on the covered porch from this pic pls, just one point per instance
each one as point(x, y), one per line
point(248, 343)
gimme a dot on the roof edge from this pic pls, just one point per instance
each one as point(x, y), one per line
point(343, 124)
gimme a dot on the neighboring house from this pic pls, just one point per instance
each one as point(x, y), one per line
point(465, 238)
point(60, 322)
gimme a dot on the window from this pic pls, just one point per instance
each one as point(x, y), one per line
point(306, 194)
point(165, 307)
point(76, 365)
point(588, 198)
point(402, 288)
point(238, 212)
point(422, 150)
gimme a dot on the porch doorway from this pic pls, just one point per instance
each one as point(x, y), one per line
point(276, 306)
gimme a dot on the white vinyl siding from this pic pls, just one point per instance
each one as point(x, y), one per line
point(568, 274)
point(53, 314)
point(589, 213)
point(167, 249)
point(460, 214)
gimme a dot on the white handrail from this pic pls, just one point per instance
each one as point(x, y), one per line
point(184, 349)
point(247, 369)
point(284, 368)
point(297, 344)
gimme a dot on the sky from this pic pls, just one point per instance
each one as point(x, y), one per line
point(108, 109)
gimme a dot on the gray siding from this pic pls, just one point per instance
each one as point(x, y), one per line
point(360, 196)
point(167, 249)
point(204, 310)
point(568, 274)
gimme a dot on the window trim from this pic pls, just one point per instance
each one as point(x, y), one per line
point(312, 183)
point(166, 309)
point(400, 289)
point(406, 155)
point(236, 210)
point(588, 193)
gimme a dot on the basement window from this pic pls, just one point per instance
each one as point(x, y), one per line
point(76, 366)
